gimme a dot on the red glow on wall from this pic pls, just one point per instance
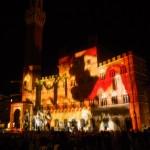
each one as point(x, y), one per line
point(91, 51)
point(107, 81)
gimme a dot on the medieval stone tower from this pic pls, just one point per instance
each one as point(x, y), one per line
point(31, 90)
point(35, 19)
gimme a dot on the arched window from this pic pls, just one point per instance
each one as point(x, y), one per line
point(103, 99)
point(125, 98)
point(114, 98)
point(123, 69)
point(102, 76)
point(102, 72)
point(112, 73)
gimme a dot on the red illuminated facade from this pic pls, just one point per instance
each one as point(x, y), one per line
point(108, 90)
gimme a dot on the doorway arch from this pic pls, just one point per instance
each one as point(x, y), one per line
point(17, 118)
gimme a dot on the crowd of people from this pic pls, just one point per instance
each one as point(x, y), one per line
point(60, 140)
point(42, 121)
point(43, 136)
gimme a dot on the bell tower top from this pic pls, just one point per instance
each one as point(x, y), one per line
point(35, 13)
point(35, 18)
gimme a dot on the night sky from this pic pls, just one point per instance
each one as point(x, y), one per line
point(113, 27)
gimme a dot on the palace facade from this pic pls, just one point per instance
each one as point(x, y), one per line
point(108, 95)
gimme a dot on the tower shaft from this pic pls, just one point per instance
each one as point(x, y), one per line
point(35, 20)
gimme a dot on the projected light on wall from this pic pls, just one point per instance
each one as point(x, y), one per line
point(112, 86)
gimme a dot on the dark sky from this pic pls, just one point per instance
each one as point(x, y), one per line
point(114, 26)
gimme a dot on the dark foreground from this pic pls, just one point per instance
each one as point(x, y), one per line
point(76, 141)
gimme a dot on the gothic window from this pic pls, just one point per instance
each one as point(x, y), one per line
point(114, 84)
point(102, 76)
point(104, 102)
point(125, 98)
point(103, 99)
point(102, 72)
point(123, 69)
point(114, 98)
point(112, 73)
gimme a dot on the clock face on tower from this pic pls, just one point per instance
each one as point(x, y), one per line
point(27, 82)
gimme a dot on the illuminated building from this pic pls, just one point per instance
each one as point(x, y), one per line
point(110, 93)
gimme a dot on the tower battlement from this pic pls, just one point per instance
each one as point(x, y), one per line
point(116, 58)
